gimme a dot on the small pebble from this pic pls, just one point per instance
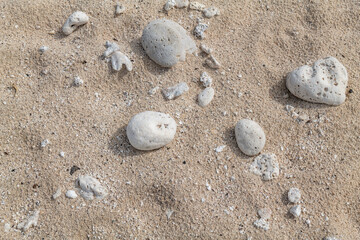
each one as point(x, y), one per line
point(206, 96)
point(43, 49)
point(205, 79)
point(196, 6)
point(294, 195)
point(71, 194)
point(219, 148)
point(150, 130)
point(262, 223)
point(211, 62)
point(266, 166)
point(57, 194)
point(175, 91)
point(119, 9)
point(62, 154)
point(205, 49)
point(78, 81)
point(200, 29)
point(74, 21)
point(90, 188)
point(250, 137)
point(211, 12)
point(44, 143)
point(118, 59)
point(295, 210)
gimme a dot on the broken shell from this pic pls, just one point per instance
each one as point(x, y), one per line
point(74, 21)
point(119, 59)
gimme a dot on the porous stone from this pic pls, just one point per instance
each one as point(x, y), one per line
point(206, 79)
point(262, 223)
point(90, 188)
point(206, 96)
point(170, 4)
point(111, 47)
point(78, 81)
point(175, 91)
point(71, 194)
point(266, 166)
point(30, 222)
point(166, 42)
point(211, 12)
point(250, 137)
point(294, 195)
point(197, 6)
point(324, 82)
point(74, 21)
point(295, 210)
point(200, 29)
point(118, 59)
point(150, 130)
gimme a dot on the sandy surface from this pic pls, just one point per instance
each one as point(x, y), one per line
point(261, 40)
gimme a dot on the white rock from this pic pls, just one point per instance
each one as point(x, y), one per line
point(265, 213)
point(262, 223)
point(71, 194)
point(250, 137)
point(74, 21)
point(266, 166)
point(205, 79)
point(170, 4)
point(294, 195)
point(150, 130)
point(62, 154)
point(90, 187)
point(197, 6)
point(166, 42)
point(206, 96)
point(175, 91)
point(220, 148)
point(57, 194)
point(7, 227)
point(200, 29)
point(44, 143)
point(111, 47)
point(119, 9)
point(31, 221)
point(211, 12)
point(212, 62)
point(295, 210)
point(118, 59)
point(168, 213)
point(205, 49)
point(78, 81)
point(324, 82)
point(43, 49)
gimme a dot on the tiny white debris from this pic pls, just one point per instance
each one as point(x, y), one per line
point(205, 79)
point(289, 108)
point(197, 6)
point(90, 187)
point(71, 194)
point(150, 130)
point(175, 91)
point(308, 222)
point(265, 213)
point(239, 76)
point(262, 223)
point(295, 210)
point(31, 221)
point(78, 81)
point(44, 143)
point(266, 166)
point(43, 49)
point(111, 47)
point(62, 154)
point(119, 59)
point(74, 21)
point(211, 12)
point(119, 9)
point(200, 29)
point(212, 62)
point(331, 238)
point(324, 82)
point(208, 186)
point(250, 137)
point(220, 148)
point(57, 194)
point(206, 96)
point(7, 227)
point(303, 117)
point(153, 90)
point(169, 212)
point(205, 49)
point(294, 195)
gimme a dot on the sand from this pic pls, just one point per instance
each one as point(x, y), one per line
point(165, 194)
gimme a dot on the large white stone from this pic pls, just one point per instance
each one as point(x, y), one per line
point(74, 21)
point(250, 137)
point(150, 130)
point(324, 82)
point(166, 42)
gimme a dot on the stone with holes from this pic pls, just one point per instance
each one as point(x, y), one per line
point(150, 130)
point(324, 82)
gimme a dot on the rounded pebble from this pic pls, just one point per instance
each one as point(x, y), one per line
point(74, 21)
point(324, 82)
point(265, 166)
point(250, 137)
point(166, 42)
point(150, 130)
point(294, 195)
point(71, 194)
point(206, 96)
